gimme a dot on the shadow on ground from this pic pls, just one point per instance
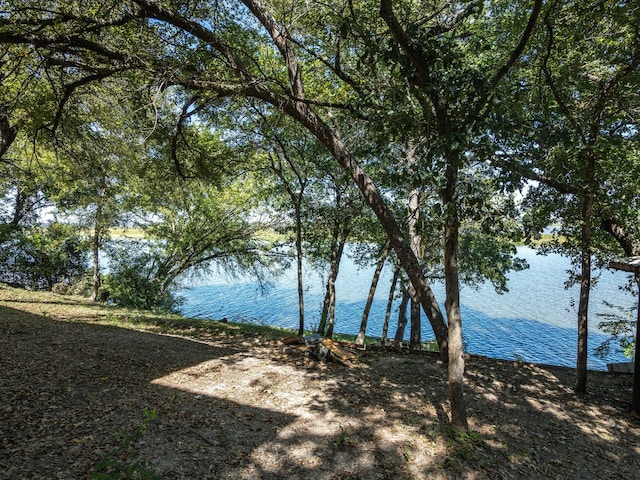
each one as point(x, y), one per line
point(246, 408)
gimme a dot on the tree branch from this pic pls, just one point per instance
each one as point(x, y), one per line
point(418, 60)
point(279, 37)
point(517, 52)
point(72, 87)
point(564, 108)
point(511, 61)
point(621, 236)
point(153, 9)
point(512, 163)
point(8, 132)
point(179, 133)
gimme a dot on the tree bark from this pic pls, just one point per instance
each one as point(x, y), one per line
point(452, 302)
point(7, 131)
point(296, 195)
point(415, 242)
point(387, 316)
point(583, 319)
point(299, 264)
point(372, 291)
point(95, 246)
point(402, 318)
point(331, 321)
point(415, 340)
point(327, 317)
point(20, 207)
point(585, 274)
point(95, 249)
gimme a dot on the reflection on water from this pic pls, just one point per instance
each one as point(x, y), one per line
point(535, 320)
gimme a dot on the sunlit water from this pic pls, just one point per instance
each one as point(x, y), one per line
point(535, 321)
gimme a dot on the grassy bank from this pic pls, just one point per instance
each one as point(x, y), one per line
point(80, 309)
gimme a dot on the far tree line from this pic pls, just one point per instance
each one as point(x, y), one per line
point(243, 135)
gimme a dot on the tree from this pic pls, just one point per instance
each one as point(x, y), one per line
point(422, 47)
point(289, 152)
point(583, 147)
point(240, 70)
point(22, 199)
point(242, 49)
point(387, 316)
point(194, 226)
point(40, 257)
point(7, 131)
point(97, 147)
point(25, 107)
point(382, 257)
point(587, 120)
point(402, 316)
point(337, 220)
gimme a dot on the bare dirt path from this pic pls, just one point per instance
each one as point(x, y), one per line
point(240, 406)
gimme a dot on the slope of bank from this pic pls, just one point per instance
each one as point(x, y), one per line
point(230, 401)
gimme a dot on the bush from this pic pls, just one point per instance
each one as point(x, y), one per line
point(621, 326)
point(131, 281)
point(40, 257)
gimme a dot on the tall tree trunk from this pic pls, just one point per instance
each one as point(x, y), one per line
point(331, 320)
point(415, 242)
point(583, 321)
point(635, 391)
point(585, 276)
point(95, 246)
point(452, 302)
point(296, 195)
point(456, 353)
point(330, 296)
point(7, 131)
point(20, 207)
point(402, 318)
point(415, 340)
point(387, 315)
point(95, 249)
point(332, 291)
point(372, 291)
point(299, 261)
point(327, 317)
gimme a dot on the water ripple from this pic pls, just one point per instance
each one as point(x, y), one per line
point(535, 321)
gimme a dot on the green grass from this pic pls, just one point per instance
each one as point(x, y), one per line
point(82, 310)
point(133, 233)
point(544, 239)
point(79, 309)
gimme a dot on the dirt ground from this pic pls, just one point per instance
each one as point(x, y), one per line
point(242, 406)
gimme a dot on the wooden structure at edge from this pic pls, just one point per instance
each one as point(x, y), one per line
point(632, 265)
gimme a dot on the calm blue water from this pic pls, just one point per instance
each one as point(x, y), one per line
point(535, 320)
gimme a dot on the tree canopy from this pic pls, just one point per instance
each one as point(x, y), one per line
point(490, 99)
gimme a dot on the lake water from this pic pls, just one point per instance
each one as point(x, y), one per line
point(535, 321)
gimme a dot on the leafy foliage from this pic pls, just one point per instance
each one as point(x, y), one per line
point(621, 325)
point(39, 257)
point(132, 282)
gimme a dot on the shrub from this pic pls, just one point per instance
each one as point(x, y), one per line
point(131, 281)
point(621, 326)
point(40, 257)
